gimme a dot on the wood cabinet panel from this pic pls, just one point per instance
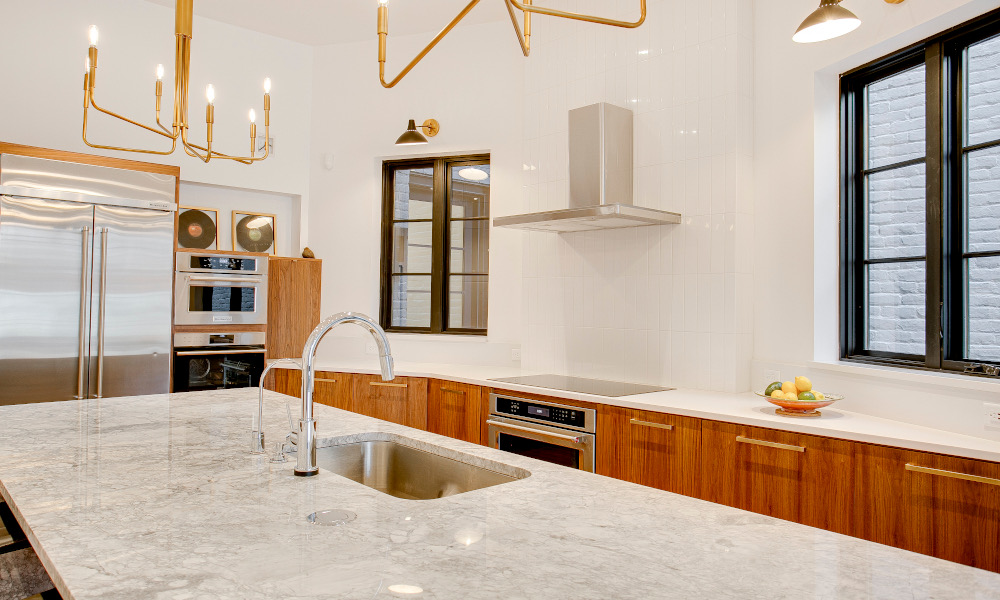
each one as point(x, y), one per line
point(931, 513)
point(293, 295)
point(654, 449)
point(402, 400)
point(801, 478)
point(455, 410)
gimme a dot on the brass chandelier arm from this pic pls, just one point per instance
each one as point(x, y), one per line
point(524, 38)
point(382, 33)
point(527, 7)
point(192, 150)
point(93, 102)
point(88, 101)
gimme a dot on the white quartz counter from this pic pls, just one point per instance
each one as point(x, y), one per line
point(745, 408)
point(158, 497)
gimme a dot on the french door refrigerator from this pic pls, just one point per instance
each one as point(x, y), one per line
point(86, 278)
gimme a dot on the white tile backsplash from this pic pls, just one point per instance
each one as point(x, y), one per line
point(671, 304)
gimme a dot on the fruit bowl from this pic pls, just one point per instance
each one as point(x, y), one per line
point(800, 408)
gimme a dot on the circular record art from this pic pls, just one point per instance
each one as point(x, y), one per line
point(195, 229)
point(255, 233)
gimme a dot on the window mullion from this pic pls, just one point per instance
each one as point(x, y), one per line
point(438, 252)
point(935, 128)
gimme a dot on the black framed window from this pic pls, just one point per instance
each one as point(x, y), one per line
point(435, 245)
point(920, 164)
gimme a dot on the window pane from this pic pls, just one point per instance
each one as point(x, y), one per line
point(895, 111)
point(411, 301)
point(896, 307)
point(411, 247)
point(470, 191)
point(984, 308)
point(984, 86)
point(897, 212)
point(413, 194)
point(470, 245)
point(467, 295)
point(983, 207)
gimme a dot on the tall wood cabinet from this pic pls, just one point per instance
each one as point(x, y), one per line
point(293, 304)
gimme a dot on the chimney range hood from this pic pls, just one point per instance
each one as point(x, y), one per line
point(600, 178)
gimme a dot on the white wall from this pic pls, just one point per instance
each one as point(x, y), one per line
point(45, 44)
point(224, 200)
point(471, 83)
point(796, 211)
point(669, 304)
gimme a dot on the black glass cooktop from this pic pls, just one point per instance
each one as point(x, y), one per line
point(597, 387)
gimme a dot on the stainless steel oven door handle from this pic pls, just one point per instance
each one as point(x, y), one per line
point(84, 302)
point(499, 425)
point(243, 280)
point(216, 352)
point(100, 314)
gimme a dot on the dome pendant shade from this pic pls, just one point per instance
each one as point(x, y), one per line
point(827, 22)
point(411, 137)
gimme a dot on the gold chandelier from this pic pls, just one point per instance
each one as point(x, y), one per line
point(523, 35)
point(179, 128)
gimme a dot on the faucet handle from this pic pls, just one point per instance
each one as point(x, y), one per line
point(278, 456)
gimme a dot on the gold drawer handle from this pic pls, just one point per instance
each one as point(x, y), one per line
point(384, 384)
point(451, 391)
point(747, 440)
point(952, 474)
point(650, 424)
point(325, 380)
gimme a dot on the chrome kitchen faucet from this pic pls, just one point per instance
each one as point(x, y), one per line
point(305, 461)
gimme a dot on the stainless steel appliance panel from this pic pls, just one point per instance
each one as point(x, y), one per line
point(220, 289)
point(130, 300)
point(45, 249)
point(556, 433)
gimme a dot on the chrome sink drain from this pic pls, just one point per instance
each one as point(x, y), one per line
point(331, 518)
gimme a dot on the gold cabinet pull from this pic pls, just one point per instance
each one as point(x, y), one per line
point(747, 440)
point(325, 380)
point(386, 384)
point(952, 474)
point(451, 391)
point(650, 424)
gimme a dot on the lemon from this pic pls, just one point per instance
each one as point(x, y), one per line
point(778, 395)
point(774, 386)
point(807, 397)
point(789, 388)
point(803, 384)
point(819, 395)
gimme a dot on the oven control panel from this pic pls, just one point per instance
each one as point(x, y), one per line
point(544, 412)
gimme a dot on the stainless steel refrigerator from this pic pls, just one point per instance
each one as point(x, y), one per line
point(86, 276)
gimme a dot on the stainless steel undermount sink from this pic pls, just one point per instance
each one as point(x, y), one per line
point(406, 472)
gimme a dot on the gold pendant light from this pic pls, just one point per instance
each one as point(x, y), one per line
point(523, 35)
point(829, 21)
point(180, 125)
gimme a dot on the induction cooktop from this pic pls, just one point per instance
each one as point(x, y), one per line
point(596, 387)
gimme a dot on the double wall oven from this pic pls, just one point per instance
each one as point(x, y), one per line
point(555, 433)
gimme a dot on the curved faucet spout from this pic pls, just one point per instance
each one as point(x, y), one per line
point(305, 462)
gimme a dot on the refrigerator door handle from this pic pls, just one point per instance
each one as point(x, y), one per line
point(100, 315)
point(84, 321)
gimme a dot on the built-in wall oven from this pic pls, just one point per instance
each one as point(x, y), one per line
point(220, 289)
point(555, 433)
point(214, 361)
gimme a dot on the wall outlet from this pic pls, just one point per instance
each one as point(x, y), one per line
point(371, 348)
point(991, 412)
point(515, 354)
point(772, 376)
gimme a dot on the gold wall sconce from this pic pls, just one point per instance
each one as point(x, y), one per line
point(413, 137)
point(829, 21)
point(178, 131)
point(523, 34)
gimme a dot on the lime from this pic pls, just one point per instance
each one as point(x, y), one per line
point(807, 397)
point(774, 386)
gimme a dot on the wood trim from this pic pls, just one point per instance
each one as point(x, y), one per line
point(89, 159)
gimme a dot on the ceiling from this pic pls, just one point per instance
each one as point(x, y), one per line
point(321, 22)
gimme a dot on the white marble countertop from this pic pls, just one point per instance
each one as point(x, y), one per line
point(157, 497)
point(744, 408)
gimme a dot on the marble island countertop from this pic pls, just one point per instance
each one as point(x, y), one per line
point(158, 497)
point(744, 408)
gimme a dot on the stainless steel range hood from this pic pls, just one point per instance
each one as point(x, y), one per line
point(600, 178)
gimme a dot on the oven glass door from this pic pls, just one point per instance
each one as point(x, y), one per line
point(221, 298)
point(574, 449)
point(560, 455)
point(202, 369)
point(208, 300)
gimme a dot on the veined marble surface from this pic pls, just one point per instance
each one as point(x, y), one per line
point(158, 497)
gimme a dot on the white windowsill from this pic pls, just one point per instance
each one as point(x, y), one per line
point(930, 378)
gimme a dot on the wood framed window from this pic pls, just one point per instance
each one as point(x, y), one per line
point(435, 245)
point(920, 202)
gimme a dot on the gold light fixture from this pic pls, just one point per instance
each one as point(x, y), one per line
point(180, 125)
point(828, 21)
point(523, 35)
point(412, 137)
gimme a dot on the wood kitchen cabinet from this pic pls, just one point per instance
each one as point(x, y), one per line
point(455, 410)
point(329, 388)
point(937, 512)
point(293, 294)
point(801, 478)
point(402, 400)
point(654, 449)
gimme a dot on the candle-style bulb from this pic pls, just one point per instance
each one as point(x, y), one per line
point(383, 2)
point(253, 116)
point(86, 65)
point(210, 93)
point(159, 72)
point(93, 35)
point(267, 85)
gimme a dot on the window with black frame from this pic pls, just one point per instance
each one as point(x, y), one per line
point(921, 204)
point(435, 245)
